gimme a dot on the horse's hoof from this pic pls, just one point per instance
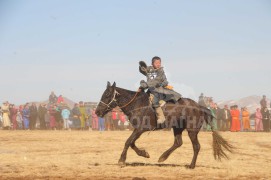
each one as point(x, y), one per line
point(147, 155)
point(161, 159)
point(189, 167)
point(121, 164)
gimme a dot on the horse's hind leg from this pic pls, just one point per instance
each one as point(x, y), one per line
point(140, 152)
point(177, 143)
point(193, 135)
point(135, 135)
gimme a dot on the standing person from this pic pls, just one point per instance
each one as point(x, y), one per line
point(10, 108)
point(26, 115)
point(214, 121)
point(101, 124)
point(246, 120)
point(115, 119)
point(122, 120)
point(83, 116)
point(6, 113)
point(263, 102)
point(52, 113)
point(52, 98)
point(217, 113)
point(266, 120)
point(42, 110)
point(108, 121)
point(89, 118)
point(19, 119)
point(47, 119)
point(21, 108)
point(202, 100)
point(76, 114)
point(226, 118)
point(33, 116)
point(60, 99)
point(58, 117)
point(65, 116)
point(94, 120)
point(235, 114)
point(258, 120)
point(13, 115)
point(241, 120)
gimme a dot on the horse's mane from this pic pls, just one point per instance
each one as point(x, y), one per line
point(142, 93)
point(130, 91)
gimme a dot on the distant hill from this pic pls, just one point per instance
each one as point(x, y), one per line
point(251, 102)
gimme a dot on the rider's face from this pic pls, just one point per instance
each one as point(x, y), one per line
point(156, 64)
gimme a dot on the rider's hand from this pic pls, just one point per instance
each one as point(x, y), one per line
point(143, 84)
point(158, 85)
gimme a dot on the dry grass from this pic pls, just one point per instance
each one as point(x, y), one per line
point(94, 155)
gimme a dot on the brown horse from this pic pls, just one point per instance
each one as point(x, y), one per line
point(181, 115)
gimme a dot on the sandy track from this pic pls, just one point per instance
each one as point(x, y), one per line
point(94, 155)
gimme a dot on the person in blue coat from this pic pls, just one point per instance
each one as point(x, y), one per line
point(26, 115)
point(65, 116)
point(101, 124)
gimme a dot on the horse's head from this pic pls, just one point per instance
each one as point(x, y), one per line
point(108, 100)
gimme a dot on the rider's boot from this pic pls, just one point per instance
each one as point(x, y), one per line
point(160, 115)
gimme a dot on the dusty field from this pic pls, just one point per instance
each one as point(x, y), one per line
point(94, 155)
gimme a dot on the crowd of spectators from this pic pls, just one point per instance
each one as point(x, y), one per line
point(237, 119)
point(57, 115)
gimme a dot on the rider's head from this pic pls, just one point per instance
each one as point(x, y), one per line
point(156, 62)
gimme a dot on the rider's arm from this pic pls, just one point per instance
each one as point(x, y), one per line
point(162, 78)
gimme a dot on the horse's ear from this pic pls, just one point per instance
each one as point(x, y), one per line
point(114, 85)
point(108, 84)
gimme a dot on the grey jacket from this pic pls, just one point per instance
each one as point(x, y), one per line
point(156, 77)
point(156, 81)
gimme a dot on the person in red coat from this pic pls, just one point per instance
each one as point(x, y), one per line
point(95, 120)
point(60, 99)
point(122, 118)
point(235, 124)
point(115, 119)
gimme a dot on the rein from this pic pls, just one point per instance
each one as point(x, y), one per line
point(114, 100)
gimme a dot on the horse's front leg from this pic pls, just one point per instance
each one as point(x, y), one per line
point(136, 133)
point(139, 152)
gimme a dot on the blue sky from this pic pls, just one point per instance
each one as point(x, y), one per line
point(220, 48)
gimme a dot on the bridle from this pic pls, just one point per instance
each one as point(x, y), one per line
point(114, 100)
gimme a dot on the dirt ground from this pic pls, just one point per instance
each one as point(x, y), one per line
point(94, 155)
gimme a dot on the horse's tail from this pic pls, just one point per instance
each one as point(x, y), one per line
point(220, 145)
